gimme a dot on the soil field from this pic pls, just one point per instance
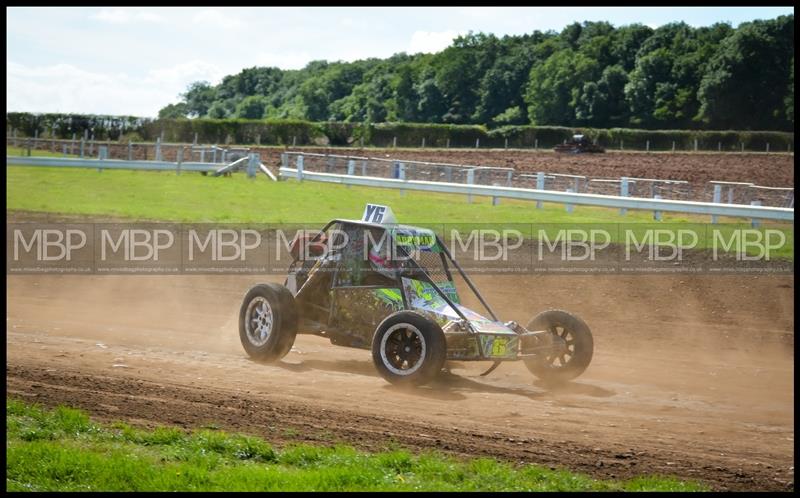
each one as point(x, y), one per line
point(692, 374)
point(772, 170)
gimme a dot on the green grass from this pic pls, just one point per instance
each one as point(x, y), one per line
point(191, 197)
point(63, 450)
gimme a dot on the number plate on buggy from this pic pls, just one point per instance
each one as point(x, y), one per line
point(499, 346)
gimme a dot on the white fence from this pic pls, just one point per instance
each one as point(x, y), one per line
point(567, 198)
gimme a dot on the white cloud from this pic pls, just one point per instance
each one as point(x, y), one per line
point(287, 60)
point(431, 41)
point(212, 17)
point(125, 16)
point(67, 88)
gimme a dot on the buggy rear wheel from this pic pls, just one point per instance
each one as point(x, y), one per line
point(268, 322)
point(577, 346)
point(408, 348)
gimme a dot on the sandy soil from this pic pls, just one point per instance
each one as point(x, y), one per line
point(692, 374)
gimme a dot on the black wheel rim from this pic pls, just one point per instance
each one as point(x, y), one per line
point(403, 349)
point(562, 358)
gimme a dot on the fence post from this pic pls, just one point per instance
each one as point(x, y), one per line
point(364, 167)
point(394, 142)
point(510, 177)
point(448, 142)
point(158, 149)
point(65, 150)
point(179, 160)
point(767, 147)
point(569, 206)
point(470, 181)
point(477, 142)
point(294, 140)
point(102, 155)
point(621, 144)
point(423, 142)
point(351, 170)
point(401, 174)
point(730, 194)
point(83, 146)
point(536, 144)
point(719, 146)
point(539, 186)
point(214, 154)
point(224, 154)
point(284, 160)
point(673, 146)
point(754, 222)
point(254, 159)
point(717, 199)
point(506, 145)
point(362, 142)
point(300, 168)
point(91, 146)
point(130, 151)
point(623, 192)
point(657, 213)
point(695, 145)
point(72, 146)
point(195, 139)
point(742, 147)
point(448, 174)
point(648, 146)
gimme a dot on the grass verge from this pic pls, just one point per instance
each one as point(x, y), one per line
point(63, 450)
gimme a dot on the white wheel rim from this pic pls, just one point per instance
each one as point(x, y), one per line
point(405, 333)
point(258, 321)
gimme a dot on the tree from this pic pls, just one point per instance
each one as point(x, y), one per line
point(789, 99)
point(217, 111)
point(745, 82)
point(199, 97)
point(555, 86)
point(602, 103)
point(179, 110)
point(253, 107)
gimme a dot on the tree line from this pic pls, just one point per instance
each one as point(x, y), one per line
point(590, 74)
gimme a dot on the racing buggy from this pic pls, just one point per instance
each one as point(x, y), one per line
point(377, 285)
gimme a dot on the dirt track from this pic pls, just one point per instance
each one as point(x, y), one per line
point(692, 375)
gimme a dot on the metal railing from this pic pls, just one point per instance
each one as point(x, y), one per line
point(567, 198)
point(654, 188)
point(250, 163)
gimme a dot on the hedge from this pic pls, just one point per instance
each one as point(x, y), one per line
point(299, 132)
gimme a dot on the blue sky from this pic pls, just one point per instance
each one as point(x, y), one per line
point(136, 60)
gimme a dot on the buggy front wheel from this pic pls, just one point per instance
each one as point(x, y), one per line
point(268, 322)
point(408, 348)
point(575, 339)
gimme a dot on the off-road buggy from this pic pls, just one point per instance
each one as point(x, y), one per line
point(375, 284)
